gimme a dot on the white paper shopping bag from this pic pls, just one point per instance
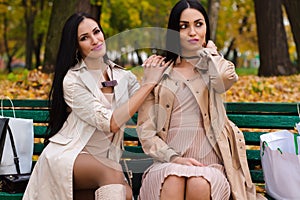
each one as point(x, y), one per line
point(23, 136)
point(281, 164)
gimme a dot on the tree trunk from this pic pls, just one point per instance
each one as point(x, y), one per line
point(272, 40)
point(38, 41)
point(37, 50)
point(60, 13)
point(292, 8)
point(29, 16)
point(213, 14)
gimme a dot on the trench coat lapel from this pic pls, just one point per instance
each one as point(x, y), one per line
point(121, 90)
point(89, 81)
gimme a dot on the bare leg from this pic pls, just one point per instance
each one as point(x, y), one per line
point(90, 174)
point(197, 188)
point(173, 188)
point(84, 194)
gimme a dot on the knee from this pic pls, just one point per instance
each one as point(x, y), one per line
point(174, 180)
point(116, 177)
point(196, 186)
point(198, 182)
point(173, 185)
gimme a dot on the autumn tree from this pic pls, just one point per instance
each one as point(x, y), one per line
point(213, 14)
point(41, 23)
point(60, 12)
point(11, 31)
point(119, 17)
point(236, 31)
point(292, 8)
point(272, 39)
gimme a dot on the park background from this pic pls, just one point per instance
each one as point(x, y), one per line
point(260, 36)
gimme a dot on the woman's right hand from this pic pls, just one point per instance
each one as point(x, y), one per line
point(154, 66)
point(187, 161)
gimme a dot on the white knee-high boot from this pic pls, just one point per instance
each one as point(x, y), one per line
point(111, 192)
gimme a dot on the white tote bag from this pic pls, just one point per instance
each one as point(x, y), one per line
point(22, 130)
point(281, 164)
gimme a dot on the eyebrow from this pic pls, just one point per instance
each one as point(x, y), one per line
point(194, 21)
point(84, 34)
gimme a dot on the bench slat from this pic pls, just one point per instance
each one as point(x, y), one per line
point(39, 131)
point(37, 115)
point(252, 138)
point(25, 103)
point(7, 196)
point(264, 121)
point(261, 107)
point(257, 176)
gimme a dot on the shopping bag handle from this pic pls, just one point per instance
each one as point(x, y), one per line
point(13, 107)
point(264, 144)
point(296, 143)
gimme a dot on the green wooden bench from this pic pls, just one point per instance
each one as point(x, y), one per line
point(253, 118)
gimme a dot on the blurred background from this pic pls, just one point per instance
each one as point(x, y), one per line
point(261, 37)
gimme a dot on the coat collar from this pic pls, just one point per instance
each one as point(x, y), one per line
point(88, 80)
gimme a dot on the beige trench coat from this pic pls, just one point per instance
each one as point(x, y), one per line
point(228, 143)
point(52, 177)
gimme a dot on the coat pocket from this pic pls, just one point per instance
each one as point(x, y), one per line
point(60, 139)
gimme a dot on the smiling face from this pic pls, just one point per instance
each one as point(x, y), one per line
point(192, 31)
point(91, 39)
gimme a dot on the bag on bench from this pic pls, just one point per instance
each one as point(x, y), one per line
point(13, 183)
point(281, 163)
point(16, 150)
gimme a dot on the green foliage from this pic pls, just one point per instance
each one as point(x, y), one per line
point(242, 71)
point(237, 20)
point(120, 15)
point(19, 75)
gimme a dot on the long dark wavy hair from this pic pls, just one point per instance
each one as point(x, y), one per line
point(68, 56)
point(173, 47)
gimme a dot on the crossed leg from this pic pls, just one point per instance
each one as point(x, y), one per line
point(90, 174)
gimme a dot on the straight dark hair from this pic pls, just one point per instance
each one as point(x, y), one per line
point(68, 56)
point(173, 49)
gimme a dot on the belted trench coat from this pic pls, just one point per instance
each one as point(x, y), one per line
point(52, 177)
point(224, 136)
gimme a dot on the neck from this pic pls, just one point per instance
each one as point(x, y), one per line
point(95, 63)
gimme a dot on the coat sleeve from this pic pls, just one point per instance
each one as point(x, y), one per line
point(148, 130)
point(133, 84)
point(84, 104)
point(221, 72)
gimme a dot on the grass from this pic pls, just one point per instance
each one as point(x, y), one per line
point(246, 71)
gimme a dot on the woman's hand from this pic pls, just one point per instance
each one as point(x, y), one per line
point(211, 45)
point(187, 161)
point(154, 66)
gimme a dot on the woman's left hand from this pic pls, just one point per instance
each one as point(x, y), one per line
point(154, 66)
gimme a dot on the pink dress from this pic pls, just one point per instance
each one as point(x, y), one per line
point(187, 136)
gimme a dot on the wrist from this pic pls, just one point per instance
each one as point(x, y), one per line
point(174, 158)
point(149, 86)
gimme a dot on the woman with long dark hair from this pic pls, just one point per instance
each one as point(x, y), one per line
point(198, 152)
point(90, 101)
